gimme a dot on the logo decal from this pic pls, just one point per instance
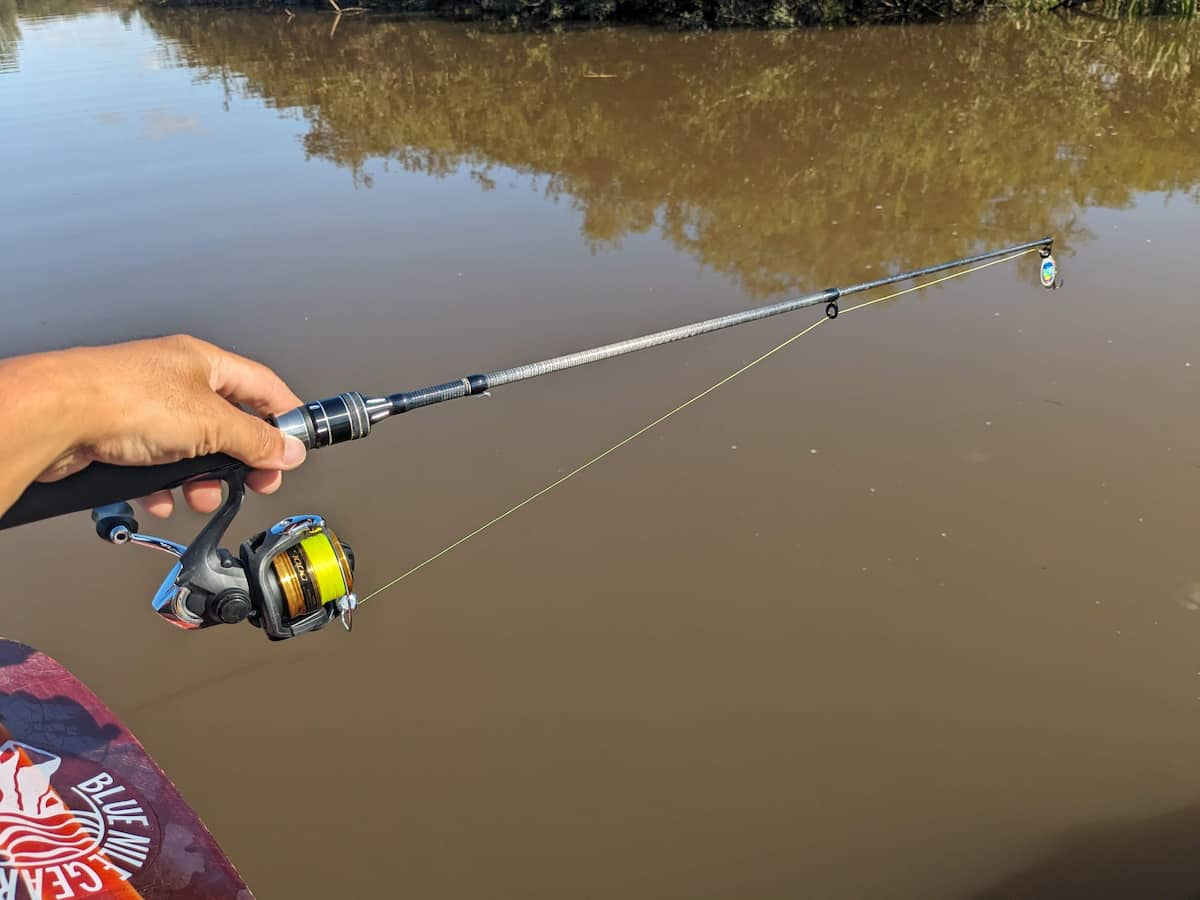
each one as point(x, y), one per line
point(87, 840)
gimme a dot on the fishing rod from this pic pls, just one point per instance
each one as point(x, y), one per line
point(296, 576)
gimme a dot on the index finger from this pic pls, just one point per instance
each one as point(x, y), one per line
point(245, 381)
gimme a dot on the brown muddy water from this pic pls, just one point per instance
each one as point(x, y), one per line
point(909, 611)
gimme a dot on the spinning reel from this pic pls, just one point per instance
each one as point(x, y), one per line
point(291, 579)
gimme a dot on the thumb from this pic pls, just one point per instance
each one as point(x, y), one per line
point(255, 442)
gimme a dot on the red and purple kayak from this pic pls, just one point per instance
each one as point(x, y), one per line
point(84, 811)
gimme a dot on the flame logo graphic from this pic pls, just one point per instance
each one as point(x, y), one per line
point(27, 842)
point(36, 827)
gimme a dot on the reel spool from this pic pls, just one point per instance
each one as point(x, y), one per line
point(291, 579)
point(304, 577)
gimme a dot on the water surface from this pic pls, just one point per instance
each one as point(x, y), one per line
point(907, 612)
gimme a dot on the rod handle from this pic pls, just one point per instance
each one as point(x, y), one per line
point(100, 484)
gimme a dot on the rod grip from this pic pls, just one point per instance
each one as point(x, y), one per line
point(100, 484)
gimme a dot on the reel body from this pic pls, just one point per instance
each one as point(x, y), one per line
point(291, 579)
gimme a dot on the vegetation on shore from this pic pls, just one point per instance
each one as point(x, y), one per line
point(699, 14)
point(681, 14)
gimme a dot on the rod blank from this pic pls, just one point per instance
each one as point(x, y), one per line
point(477, 384)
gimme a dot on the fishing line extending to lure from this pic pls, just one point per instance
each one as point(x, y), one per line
point(680, 408)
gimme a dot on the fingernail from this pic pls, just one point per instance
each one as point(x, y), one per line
point(293, 451)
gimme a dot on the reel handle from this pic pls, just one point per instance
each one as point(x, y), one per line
point(101, 484)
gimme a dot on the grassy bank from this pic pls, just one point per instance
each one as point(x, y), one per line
point(683, 14)
point(699, 14)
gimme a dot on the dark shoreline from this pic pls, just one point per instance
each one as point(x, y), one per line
point(703, 14)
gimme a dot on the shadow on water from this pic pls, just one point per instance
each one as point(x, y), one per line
point(732, 144)
point(1143, 858)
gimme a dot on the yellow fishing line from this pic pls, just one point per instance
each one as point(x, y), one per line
point(682, 406)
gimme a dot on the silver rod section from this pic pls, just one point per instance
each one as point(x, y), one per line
point(476, 384)
point(620, 348)
point(632, 345)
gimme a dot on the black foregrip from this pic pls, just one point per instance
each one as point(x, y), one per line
point(100, 484)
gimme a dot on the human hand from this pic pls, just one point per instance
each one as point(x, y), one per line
point(166, 399)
